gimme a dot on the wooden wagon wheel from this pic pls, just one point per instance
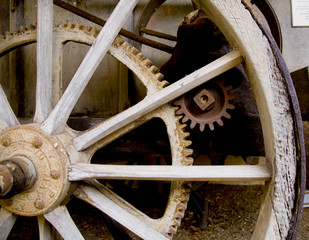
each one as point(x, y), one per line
point(31, 138)
point(48, 144)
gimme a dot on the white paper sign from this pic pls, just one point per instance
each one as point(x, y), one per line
point(300, 13)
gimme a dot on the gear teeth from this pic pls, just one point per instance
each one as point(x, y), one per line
point(230, 106)
point(70, 25)
point(77, 26)
point(160, 77)
point(85, 28)
point(125, 44)
point(179, 111)
point(140, 56)
point(185, 197)
point(133, 51)
point(181, 208)
point(202, 127)
point(184, 119)
point(182, 126)
point(189, 161)
point(192, 124)
point(173, 229)
point(118, 41)
point(179, 117)
point(187, 143)
point(164, 83)
point(8, 35)
point(220, 122)
point(186, 134)
point(187, 152)
point(62, 23)
point(226, 115)
point(92, 31)
point(153, 69)
point(31, 27)
point(211, 126)
point(169, 235)
point(22, 29)
point(146, 63)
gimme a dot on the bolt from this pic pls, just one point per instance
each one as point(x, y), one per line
point(204, 99)
point(6, 140)
point(37, 142)
point(39, 203)
point(55, 174)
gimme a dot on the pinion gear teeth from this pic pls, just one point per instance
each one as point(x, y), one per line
point(206, 105)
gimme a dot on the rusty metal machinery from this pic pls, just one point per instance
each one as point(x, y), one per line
point(50, 156)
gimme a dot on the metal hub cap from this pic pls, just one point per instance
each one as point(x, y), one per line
point(49, 160)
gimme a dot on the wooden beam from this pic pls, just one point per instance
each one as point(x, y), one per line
point(7, 220)
point(79, 172)
point(7, 116)
point(44, 60)
point(56, 121)
point(125, 218)
point(154, 101)
point(61, 220)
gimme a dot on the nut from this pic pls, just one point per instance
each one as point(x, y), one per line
point(39, 203)
point(6, 140)
point(37, 142)
point(204, 99)
point(55, 174)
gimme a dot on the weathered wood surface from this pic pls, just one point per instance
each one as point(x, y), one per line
point(169, 173)
point(7, 116)
point(125, 218)
point(44, 95)
point(46, 231)
point(56, 121)
point(62, 221)
point(7, 220)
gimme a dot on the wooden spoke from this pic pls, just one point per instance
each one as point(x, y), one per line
point(106, 205)
point(7, 116)
point(44, 60)
point(46, 231)
point(169, 173)
point(62, 221)
point(7, 221)
point(55, 123)
point(167, 94)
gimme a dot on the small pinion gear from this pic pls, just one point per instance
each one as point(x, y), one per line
point(206, 105)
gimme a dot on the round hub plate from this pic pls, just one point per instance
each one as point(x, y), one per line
point(50, 160)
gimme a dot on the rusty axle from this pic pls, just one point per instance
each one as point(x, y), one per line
point(16, 175)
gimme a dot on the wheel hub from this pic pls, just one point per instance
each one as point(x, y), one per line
point(49, 160)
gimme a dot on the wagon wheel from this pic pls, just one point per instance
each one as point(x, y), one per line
point(70, 152)
point(31, 138)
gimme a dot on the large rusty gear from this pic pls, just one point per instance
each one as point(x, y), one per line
point(149, 76)
point(206, 105)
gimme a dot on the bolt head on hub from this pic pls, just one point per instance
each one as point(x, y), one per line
point(204, 100)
